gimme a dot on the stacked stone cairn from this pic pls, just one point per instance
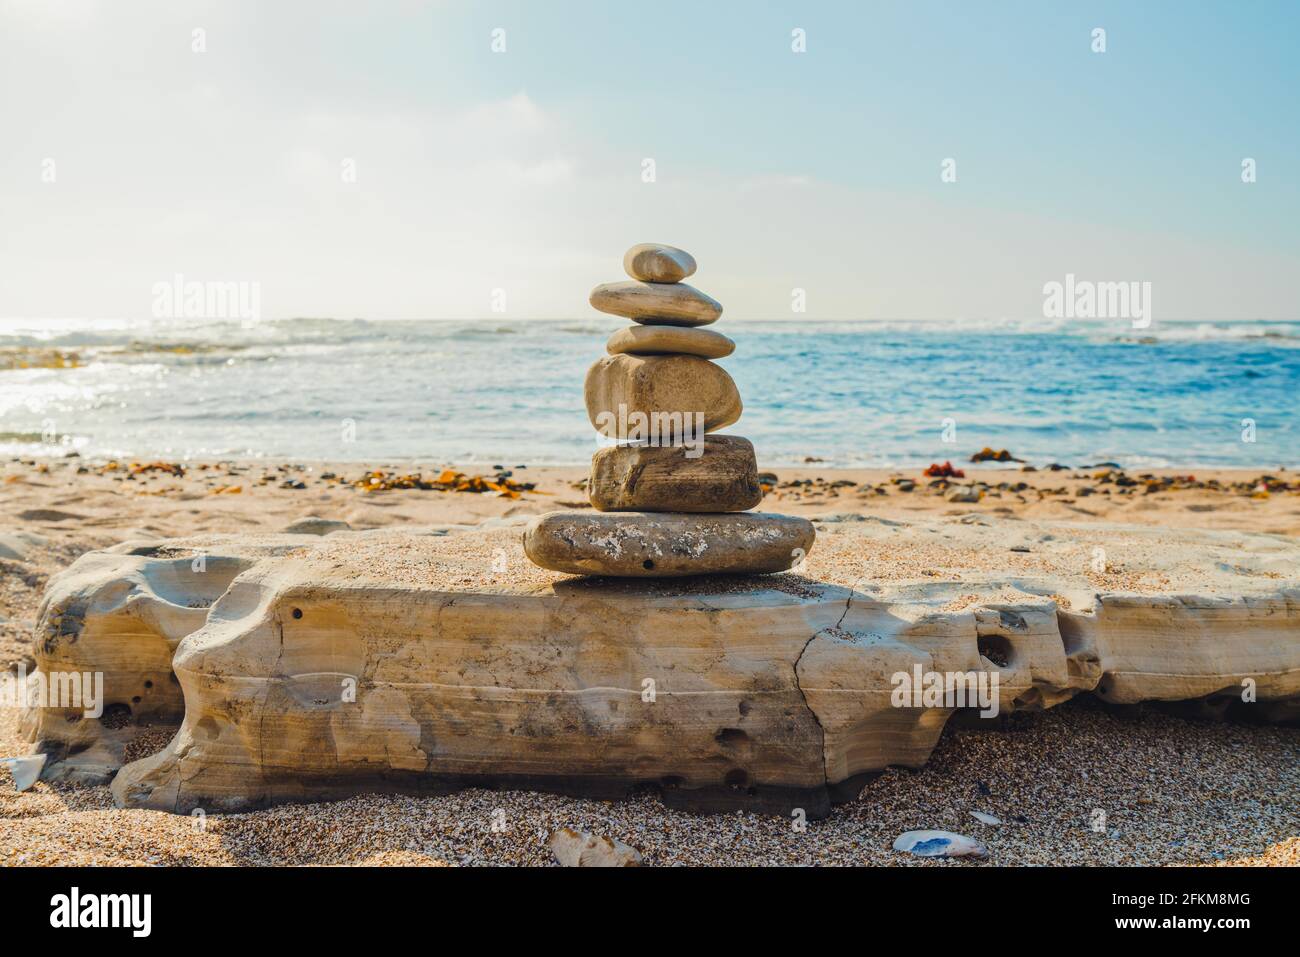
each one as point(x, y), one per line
point(671, 497)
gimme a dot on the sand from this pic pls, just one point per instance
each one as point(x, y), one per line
point(1172, 790)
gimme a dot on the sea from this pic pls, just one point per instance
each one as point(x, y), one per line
point(875, 394)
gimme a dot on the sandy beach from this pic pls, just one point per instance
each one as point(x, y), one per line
point(72, 506)
point(1041, 774)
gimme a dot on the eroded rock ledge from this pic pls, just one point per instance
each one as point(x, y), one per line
point(308, 668)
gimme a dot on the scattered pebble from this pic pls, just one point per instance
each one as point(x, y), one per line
point(580, 849)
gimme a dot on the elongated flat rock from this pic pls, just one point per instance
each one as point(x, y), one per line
point(654, 262)
point(718, 475)
point(659, 545)
point(664, 340)
point(665, 304)
point(659, 398)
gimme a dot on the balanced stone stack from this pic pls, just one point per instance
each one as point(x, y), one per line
point(671, 497)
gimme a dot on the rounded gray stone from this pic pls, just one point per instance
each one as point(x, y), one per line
point(670, 340)
point(655, 262)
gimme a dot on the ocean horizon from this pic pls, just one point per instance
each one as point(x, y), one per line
point(848, 393)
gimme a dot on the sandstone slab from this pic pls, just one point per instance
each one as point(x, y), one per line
point(718, 475)
point(655, 262)
point(667, 304)
point(666, 399)
point(664, 340)
point(667, 545)
point(392, 661)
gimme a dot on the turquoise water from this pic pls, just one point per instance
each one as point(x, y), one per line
point(510, 392)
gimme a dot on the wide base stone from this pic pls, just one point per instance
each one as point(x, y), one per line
point(427, 660)
point(667, 545)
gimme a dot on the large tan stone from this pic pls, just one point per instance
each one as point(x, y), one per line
point(666, 545)
point(654, 262)
point(396, 661)
point(719, 475)
point(678, 395)
point(664, 340)
point(665, 304)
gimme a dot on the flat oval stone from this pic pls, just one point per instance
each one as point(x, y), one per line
point(667, 545)
point(655, 262)
point(719, 474)
point(675, 395)
point(665, 304)
point(663, 340)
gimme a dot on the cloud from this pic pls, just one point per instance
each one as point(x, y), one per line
point(513, 115)
point(47, 14)
point(771, 182)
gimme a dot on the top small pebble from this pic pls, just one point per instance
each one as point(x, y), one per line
point(653, 262)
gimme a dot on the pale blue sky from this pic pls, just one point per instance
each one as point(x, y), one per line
point(522, 170)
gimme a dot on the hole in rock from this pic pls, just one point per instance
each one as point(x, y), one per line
point(730, 736)
point(148, 684)
point(297, 613)
point(135, 700)
point(647, 564)
point(736, 778)
point(996, 649)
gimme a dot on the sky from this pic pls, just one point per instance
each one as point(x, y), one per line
point(506, 182)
